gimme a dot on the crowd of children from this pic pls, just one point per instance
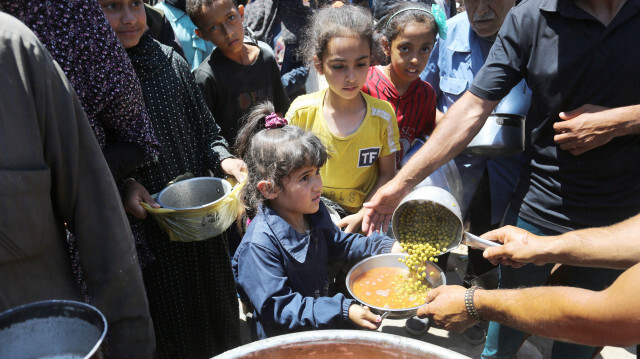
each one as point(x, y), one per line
point(336, 145)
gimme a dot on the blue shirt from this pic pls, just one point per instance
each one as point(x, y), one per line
point(284, 273)
point(451, 69)
point(195, 48)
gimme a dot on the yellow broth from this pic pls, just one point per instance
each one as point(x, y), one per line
point(390, 288)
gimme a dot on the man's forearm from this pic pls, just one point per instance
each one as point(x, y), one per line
point(628, 120)
point(452, 134)
point(609, 317)
point(616, 246)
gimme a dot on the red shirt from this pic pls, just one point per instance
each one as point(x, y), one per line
point(415, 109)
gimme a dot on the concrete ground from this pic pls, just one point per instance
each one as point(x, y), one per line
point(534, 348)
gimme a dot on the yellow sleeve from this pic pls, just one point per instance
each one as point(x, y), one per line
point(390, 134)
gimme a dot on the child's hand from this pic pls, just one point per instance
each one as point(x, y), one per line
point(397, 248)
point(363, 317)
point(351, 223)
point(234, 167)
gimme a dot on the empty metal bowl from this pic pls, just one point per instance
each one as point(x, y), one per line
point(193, 193)
point(52, 329)
point(391, 260)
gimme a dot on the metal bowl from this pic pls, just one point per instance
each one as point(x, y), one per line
point(193, 193)
point(331, 344)
point(501, 135)
point(391, 260)
point(51, 329)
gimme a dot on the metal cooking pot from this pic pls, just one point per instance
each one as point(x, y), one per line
point(193, 193)
point(331, 344)
point(52, 329)
point(440, 197)
point(501, 135)
point(391, 260)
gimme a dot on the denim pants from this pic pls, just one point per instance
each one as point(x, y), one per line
point(503, 341)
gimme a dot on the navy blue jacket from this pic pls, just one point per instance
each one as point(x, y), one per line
point(284, 273)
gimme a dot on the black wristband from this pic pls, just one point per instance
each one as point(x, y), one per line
point(468, 303)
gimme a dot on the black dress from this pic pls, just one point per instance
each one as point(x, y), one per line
point(191, 290)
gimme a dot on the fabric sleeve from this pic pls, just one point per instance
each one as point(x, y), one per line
point(430, 113)
point(215, 147)
point(505, 65)
point(353, 247)
point(86, 198)
point(122, 159)
point(431, 73)
point(391, 136)
point(264, 279)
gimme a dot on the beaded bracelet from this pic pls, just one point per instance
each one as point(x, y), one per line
point(468, 303)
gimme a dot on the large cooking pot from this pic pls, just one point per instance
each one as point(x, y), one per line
point(332, 344)
point(52, 329)
point(439, 197)
point(501, 135)
point(391, 260)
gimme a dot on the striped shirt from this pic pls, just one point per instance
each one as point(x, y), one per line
point(415, 109)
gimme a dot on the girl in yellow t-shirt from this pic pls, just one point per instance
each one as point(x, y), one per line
point(359, 131)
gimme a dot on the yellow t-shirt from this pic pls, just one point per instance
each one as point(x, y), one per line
point(350, 173)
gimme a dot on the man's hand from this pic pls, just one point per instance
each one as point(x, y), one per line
point(585, 128)
point(134, 193)
point(234, 167)
point(378, 211)
point(363, 317)
point(519, 247)
point(445, 307)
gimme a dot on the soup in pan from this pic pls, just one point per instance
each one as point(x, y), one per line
point(390, 288)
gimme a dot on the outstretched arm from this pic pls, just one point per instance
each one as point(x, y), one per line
point(616, 246)
point(457, 128)
point(577, 315)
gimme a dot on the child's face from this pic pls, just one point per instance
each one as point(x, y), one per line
point(410, 51)
point(221, 23)
point(300, 193)
point(127, 18)
point(345, 65)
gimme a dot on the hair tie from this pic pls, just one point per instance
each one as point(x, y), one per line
point(274, 121)
point(437, 13)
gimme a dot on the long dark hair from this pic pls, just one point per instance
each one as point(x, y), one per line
point(272, 154)
point(330, 22)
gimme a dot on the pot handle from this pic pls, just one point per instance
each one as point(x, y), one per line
point(474, 241)
point(383, 315)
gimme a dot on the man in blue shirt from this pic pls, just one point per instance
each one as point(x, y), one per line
point(454, 62)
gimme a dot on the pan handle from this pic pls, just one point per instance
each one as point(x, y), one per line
point(476, 242)
point(383, 315)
